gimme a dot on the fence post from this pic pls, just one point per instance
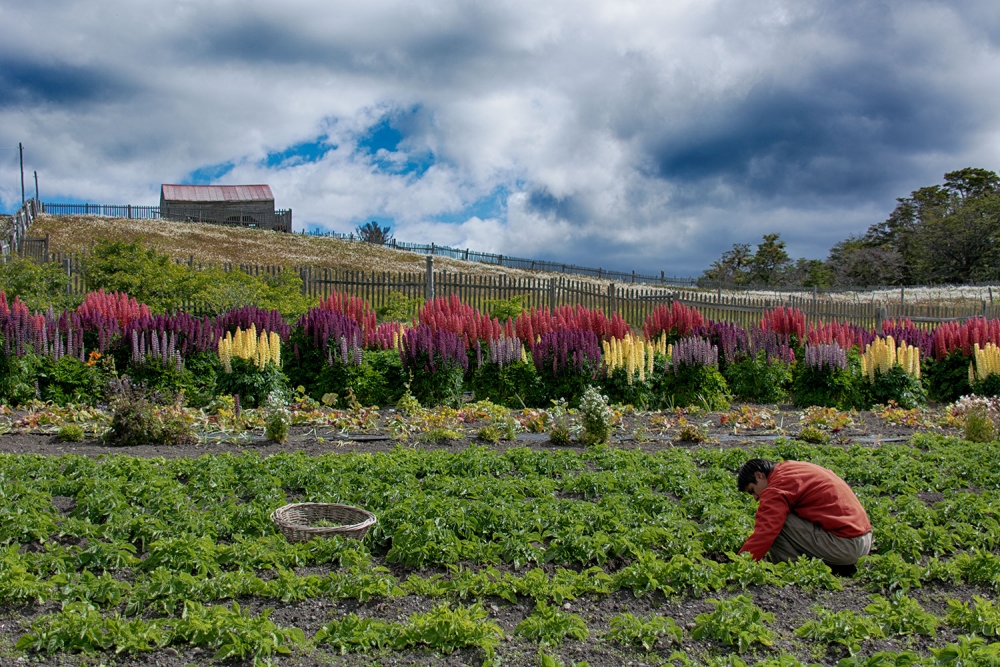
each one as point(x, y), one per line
point(612, 299)
point(429, 279)
point(880, 315)
point(552, 296)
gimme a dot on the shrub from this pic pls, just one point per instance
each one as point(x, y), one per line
point(567, 361)
point(947, 378)
point(979, 425)
point(691, 377)
point(828, 377)
point(70, 433)
point(37, 285)
point(596, 417)
point(436, 362)
point(69, 380)
point(252, 384)
point(894, 385)
point(757, 380)
point(277, 420)
point(813, 435)
point(150, 276)
point(399, 308)
point(489, 433)
point(503, 376)
point(136, 419)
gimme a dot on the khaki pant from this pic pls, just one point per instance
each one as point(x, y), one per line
point(799, 537)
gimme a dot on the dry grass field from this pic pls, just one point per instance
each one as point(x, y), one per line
point(215, 244)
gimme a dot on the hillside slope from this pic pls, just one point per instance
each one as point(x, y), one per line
point(215, 244)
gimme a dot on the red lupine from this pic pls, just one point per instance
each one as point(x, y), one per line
point(951, 336)
point(787, 321)
point(844, 335)
point(112, 306)
point(538, 322)
point(677, 320)
point(451, 314)
point(358, 309)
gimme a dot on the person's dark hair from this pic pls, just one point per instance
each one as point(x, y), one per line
point(746, 477)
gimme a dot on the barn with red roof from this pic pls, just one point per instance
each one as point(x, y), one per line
point(241, 205)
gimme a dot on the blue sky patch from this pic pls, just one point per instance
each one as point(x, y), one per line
point(302, 153)
point(208, 174)
point(493, 205)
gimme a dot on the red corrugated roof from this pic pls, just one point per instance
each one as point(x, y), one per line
point(204, 193)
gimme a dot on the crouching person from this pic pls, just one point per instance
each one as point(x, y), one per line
point(804, 509)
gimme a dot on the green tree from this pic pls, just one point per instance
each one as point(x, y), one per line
point(771, 262)
point(733, 267)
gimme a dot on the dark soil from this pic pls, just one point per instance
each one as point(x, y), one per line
point(791, 606)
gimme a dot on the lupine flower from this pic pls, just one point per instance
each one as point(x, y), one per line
point(539, 321)
point(786, 321)
point(117, 306)
point(674, 320)
point(693, 351)
point(826, 355)
point(574, 350)
point(429, 349)
point(260, 319)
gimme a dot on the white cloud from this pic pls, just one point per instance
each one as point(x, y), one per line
point(642, 135)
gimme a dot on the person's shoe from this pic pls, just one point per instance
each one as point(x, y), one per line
point(844, 570)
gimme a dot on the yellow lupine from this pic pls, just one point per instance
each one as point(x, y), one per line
point(261, 350)
point(882, 354)
point(987, 362)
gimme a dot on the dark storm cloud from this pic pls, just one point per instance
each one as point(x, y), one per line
point(27, 82)
point(846, 132)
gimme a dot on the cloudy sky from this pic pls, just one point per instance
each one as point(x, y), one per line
point(627, 135)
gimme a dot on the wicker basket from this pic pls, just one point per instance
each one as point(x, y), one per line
point(294, 521)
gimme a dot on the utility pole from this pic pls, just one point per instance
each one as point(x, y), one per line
point(36, 186)
point(20, 150)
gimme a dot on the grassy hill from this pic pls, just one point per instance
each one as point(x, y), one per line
point(215, 244)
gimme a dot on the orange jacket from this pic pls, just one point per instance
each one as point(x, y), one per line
point(814, 494)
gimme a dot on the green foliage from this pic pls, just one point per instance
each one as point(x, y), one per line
point(399, 308)
point(980, 617)
point(220, 291)
point(154, 279)
point(353, 634)
point(38, 285)
point(69, 380)
point(440, 435)
point(489, 433)
point(137, 420)
point(277, 421)
point(735, 622)
point(379, 380)
point(81, 628)
point(196, 379)
point(445, 629)
point(946, 379)
point(515, 385)
point(550, 625)
point(638, 393)
point(504, 309)
point(632, 630)
point(253, 385)
point(693, 385)
point(968, 651)
point(900, 615)
point(843, 627)
point(894, 385)
point(813, 435)
point(70, 433)
point(17, 377)
point(596, 417)
point(233, 633)
point(150, 276)
point(754, 380)
point(979, 426)
point(839, 388)
point(442, 386)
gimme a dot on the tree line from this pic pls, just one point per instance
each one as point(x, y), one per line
point(940, 234)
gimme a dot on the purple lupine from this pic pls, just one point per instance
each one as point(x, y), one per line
point(262, 320)
point(505, 351)
point(694, 351)
point(322, 326)
point(912, 336)
point(427, 349)
point(192, 334)
point(567, 350)
point(831, 356)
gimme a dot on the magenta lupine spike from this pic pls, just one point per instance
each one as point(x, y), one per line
point(567, 350)
point(694, 351)
point(423, 347)
point(829, 356)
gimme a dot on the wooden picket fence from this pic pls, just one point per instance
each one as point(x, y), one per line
point(634, 302)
